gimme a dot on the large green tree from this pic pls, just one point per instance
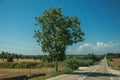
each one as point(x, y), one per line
point(57, 31)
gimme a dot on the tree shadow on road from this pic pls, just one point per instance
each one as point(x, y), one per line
point(94, 74)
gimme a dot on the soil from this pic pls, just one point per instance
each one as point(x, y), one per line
point(116, 62)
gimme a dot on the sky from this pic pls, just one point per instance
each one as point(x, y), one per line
point(100, 21)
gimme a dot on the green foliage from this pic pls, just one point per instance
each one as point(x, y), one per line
point(113, 55)
point(10, 59)
point(109, 63)
point(56, 32)
point(25, 65)
point(110, 58)
point(53, 74)
point(93, 57)
point(9, 56)
point(73, 63)
point(50, 65)
point(85, 62)
point(42, 64)
point(7, 65)
point(66, 70)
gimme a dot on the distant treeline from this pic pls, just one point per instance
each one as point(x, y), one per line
point(83, 60)
point(47, 61)
point(10, 56)
point(113, 55)
point(46, 58)
point(92, 56)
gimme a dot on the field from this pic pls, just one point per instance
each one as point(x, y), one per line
point(22, 60)
point(116, 62)
point(4, 73)
point(34, 66)
point(13, 72)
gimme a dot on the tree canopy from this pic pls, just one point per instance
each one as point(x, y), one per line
point(57, 31)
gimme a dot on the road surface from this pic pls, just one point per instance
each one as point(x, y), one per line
point(96, 72)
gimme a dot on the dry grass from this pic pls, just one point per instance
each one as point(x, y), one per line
point(6, 72)
point(26, 60)
point(22, 60)
point(116, 61)
point(1, 60)
point(17, 72)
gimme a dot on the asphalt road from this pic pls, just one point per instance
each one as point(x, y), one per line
point(96, 72)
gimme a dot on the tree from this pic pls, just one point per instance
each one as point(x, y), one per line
point(10, 58)
point(56, 32)
point(3, 55)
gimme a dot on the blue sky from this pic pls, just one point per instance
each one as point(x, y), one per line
point(100, 21)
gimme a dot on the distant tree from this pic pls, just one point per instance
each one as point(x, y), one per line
point(20, 56)
point(0, 56)
point(113, 55)
point(56, 32)
point(91, 56)
point(40, 57)
point(10, 58)
point(16, 56)
point(35, 58)
point(3, 55)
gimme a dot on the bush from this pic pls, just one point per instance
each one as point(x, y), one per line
point(85, 62)
point(50, 65)
point(66, 70)
point(40, 65)
point(53, 74)
point(73, 63)
point(10, 59)
point(110, 58)
point(7, 65)
point(25, 65)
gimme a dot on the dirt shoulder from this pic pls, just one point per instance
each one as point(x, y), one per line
point(113, 71)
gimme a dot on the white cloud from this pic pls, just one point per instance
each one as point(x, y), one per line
point(85, 46)
point(101, 44)
point(99, 47)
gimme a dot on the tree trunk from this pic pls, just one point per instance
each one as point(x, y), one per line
point(56, 65)
point(3, 59)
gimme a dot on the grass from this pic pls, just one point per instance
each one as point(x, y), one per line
point(116, 68)
point(52, 74)
point(21, 60)
point(11, 69)
point(37, 67)
point(17, 72)
point(110, 64)
point(63, 69)
point(25, 65)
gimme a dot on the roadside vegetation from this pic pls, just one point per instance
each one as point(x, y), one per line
point(113, 60)
point(72, 63)
point(44, 64)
